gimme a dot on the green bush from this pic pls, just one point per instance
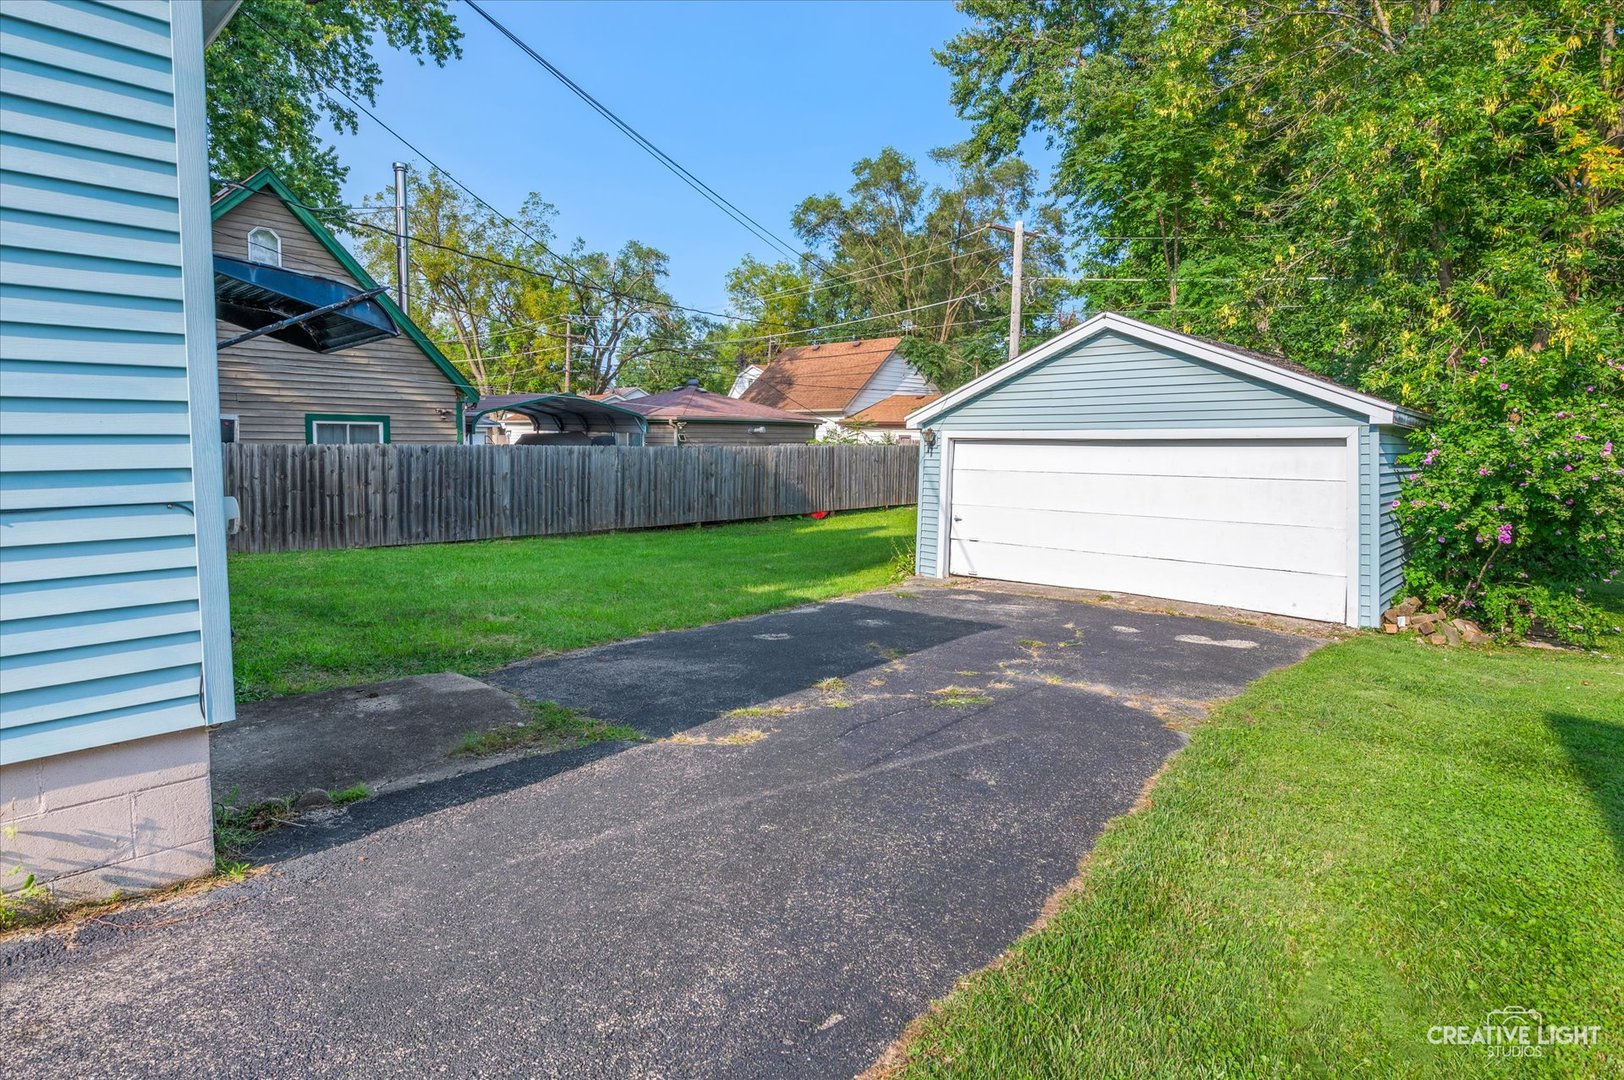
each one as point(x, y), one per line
point(1514, 510)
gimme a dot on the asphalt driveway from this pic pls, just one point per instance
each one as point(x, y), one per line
point(848, 807)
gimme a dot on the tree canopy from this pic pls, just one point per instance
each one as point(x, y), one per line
point(282, 66)
point(1424, 198)
point(898, 255)
point(497, 299)
point(1378, 189)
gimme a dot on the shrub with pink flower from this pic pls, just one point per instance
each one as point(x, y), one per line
point(1516, 493)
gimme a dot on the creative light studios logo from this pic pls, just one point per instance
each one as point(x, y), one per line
point(1514, 1032)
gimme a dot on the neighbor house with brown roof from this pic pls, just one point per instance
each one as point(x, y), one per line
point(692, 415)
point(839, 381)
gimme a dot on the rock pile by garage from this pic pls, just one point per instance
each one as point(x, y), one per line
point(1432, 627)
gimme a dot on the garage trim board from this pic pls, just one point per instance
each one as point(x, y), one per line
point(1216, 354)
point(1124, 457)
point(1343, 442)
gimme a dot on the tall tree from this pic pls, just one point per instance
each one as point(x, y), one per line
point(276, 70)
point(477, 286)
point(898, 255)
point(627, 327)
point(1377, 188)
point(509, 311)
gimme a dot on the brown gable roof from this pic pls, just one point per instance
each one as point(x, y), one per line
point(820, 378)
point(696, 403)
point(891, 411)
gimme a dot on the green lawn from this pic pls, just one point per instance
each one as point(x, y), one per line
point(1380, 839)
point(313, 620)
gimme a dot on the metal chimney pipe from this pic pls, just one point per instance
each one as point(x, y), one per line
point(402, 267)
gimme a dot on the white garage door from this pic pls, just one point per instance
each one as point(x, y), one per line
point(1261, 524)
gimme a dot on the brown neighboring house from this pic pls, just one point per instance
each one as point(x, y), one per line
point(886, 417)
point(398, 388)
point(692, 415)
point(838, 381)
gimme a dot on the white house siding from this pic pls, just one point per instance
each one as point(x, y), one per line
point(112, 614)
point(894, 376)
point(1109, 381)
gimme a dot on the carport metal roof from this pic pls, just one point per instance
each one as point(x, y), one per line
point(562, 412)
point(312, 312)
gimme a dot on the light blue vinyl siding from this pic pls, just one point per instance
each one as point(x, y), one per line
point(1110, 381)
point(1389, 565)
point(100, 615)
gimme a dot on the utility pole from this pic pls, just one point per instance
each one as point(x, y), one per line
point(1018, 235)
point(567, 327)
point(402, 267)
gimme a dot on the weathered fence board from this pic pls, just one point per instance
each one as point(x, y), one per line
point(307, 497)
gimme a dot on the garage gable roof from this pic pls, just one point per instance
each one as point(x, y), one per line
point(1260, 366)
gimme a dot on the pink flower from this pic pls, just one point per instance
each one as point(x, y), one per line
point(1482, 360)
point(1567, 468)
point(1484, 472)
point(1607, 448)
point(1397, 503)
point(1505, 386)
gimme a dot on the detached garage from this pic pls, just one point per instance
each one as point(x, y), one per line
point(1123, 457)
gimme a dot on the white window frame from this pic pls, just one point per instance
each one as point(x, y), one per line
point(260, 231)
point(316, 421)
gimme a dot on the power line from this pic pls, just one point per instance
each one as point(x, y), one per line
point(580, 277)
point(492, 260)
point(849, 279)
point(687, 177)
point(786, 332)
point(324, 85)
point(900, 258)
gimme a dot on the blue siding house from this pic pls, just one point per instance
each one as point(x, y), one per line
point(1123, 457)
point(115, 644)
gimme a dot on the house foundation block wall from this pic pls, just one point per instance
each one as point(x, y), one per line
point(128, 817)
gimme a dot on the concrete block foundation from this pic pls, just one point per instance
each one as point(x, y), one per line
point(129, 817)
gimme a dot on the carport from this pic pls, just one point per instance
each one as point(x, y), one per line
point(565, 419)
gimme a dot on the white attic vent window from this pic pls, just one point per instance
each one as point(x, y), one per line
point(264, 247)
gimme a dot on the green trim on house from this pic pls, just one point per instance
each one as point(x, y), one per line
point(266, 180)
point(313, 418)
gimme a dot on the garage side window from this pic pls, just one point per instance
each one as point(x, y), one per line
point(343, 429)
point(264, 247)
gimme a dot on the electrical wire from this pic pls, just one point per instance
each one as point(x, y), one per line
point(711, 194)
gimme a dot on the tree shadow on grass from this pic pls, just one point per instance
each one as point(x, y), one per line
point(1597, 751)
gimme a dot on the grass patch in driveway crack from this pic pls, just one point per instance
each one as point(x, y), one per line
point(738, 738)
point(751, 711)
point(959, 697)
point(552, 727)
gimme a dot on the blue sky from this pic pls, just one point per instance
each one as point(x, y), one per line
point(766, 102)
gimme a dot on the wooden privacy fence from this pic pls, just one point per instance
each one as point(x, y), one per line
point(296, 498)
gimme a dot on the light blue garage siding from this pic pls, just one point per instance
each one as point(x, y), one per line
point(1389, 577)
point(1110, 381)
point(101, 618)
